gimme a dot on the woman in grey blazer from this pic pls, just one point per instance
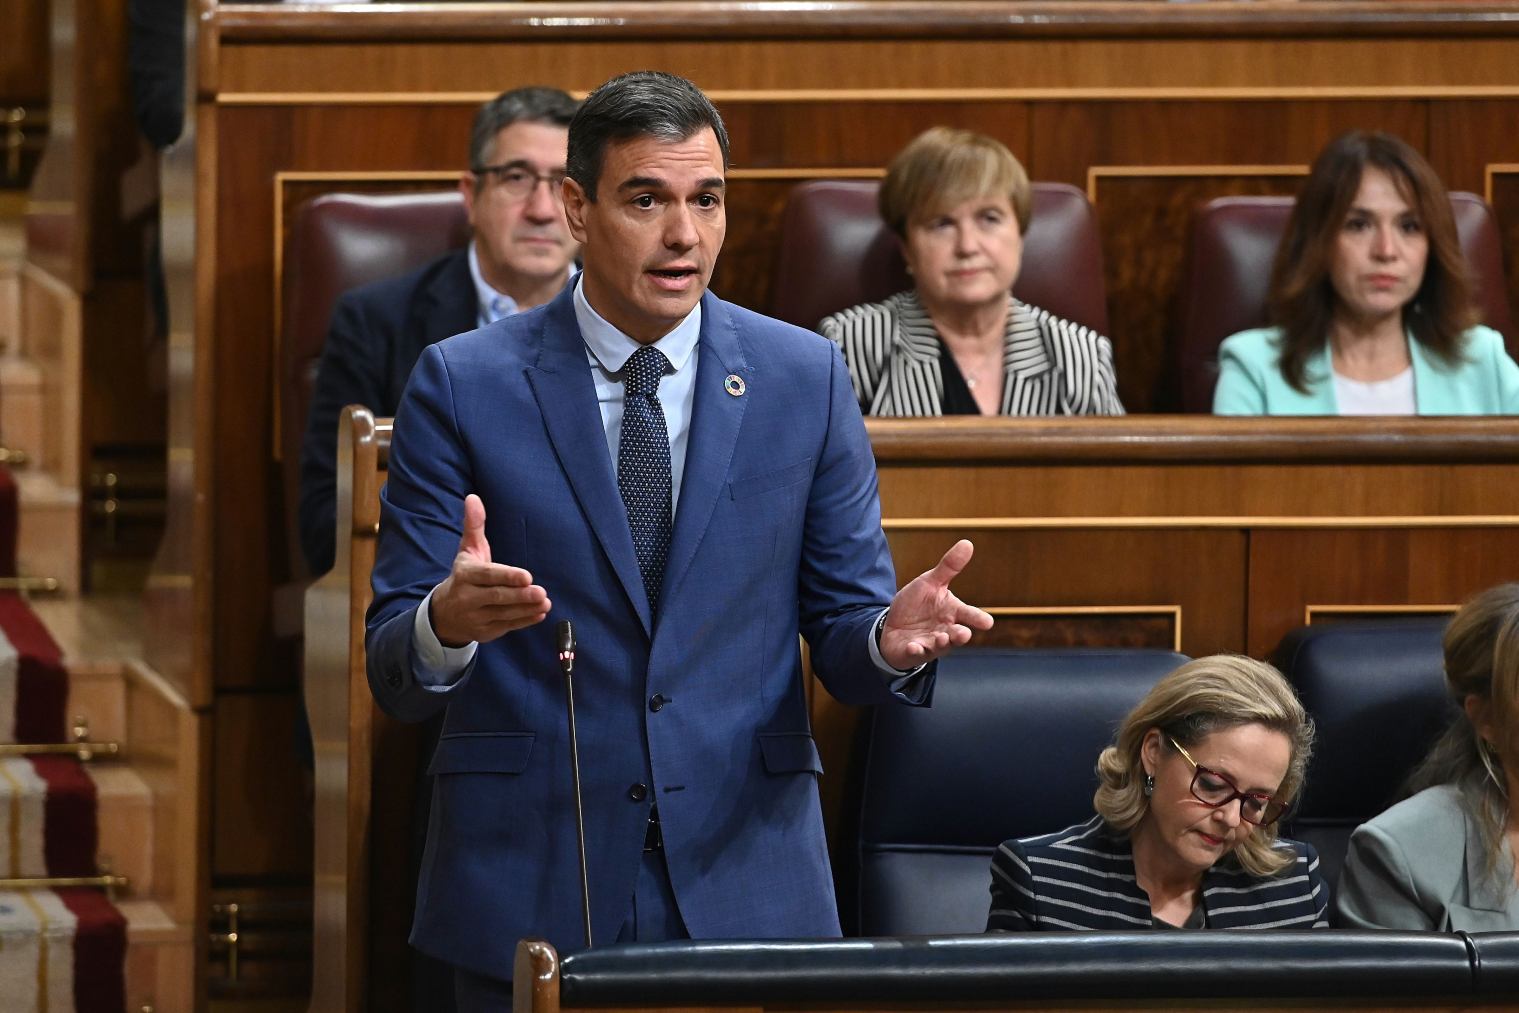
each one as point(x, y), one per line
point(958, 343)
point(1444, 858)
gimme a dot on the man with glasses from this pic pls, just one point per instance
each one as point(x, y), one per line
point(520, 257)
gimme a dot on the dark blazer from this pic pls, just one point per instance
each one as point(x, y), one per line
point(1083, 878)
point(377, 332)
point(1051, 366)
point(777, 532)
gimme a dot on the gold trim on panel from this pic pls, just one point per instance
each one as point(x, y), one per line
point(1312, 611)
point(1171, 611)
point(300, 176)
point(1096, 172)
point(1178, 523)
point(803, 173)
point(1492, 169)
point(1175, 94)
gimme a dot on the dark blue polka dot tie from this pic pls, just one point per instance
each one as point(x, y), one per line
point(643, 466)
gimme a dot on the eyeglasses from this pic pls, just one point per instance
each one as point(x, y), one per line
point(519, 181)
point(1214, 789)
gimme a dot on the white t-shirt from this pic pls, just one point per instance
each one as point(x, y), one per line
point(1393, 396)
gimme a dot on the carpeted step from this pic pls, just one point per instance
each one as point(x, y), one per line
point(34, 685)
point(61, 950)
point(48, 822)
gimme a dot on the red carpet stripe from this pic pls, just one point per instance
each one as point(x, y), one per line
point(100, 952)
point(70, 831)
point(42, 685)
point(8, 518)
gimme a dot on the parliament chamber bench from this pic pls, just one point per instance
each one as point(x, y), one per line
point(1324, 970)
point(1171, 535)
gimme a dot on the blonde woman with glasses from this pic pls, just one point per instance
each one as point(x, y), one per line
point(1188, 800)
point(1443, 859)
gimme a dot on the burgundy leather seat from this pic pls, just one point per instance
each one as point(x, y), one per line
point(337, 242)
point(837, 253)
point(1230, 248)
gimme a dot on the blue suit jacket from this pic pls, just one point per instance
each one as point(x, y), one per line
point(777, 531)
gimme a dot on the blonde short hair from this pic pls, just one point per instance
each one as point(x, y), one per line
point(1189, 704)
point(946, 166)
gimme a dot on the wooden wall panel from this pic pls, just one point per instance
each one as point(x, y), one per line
point(784, 131)
point(1001, 58)
point(1293, 569)
point(260, 814)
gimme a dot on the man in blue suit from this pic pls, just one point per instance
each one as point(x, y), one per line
point(691, 484)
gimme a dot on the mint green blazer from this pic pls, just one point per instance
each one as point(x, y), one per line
point(1250, 381)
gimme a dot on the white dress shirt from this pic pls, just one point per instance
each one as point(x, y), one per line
point(490, 305)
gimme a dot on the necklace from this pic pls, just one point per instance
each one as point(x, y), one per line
point(973, 376)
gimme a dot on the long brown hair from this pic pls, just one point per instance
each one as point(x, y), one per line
point(1302, 298)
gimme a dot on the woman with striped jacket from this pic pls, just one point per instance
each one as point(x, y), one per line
point(1185, 832)
point(958, 343)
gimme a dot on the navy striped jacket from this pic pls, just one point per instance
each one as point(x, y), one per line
point(1083, 878)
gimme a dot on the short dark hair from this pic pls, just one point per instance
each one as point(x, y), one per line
point(645, 103)
point(1302, 299)
point(520, 105)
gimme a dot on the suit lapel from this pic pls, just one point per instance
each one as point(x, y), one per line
point(1026, 361)
point(448, 305)
point(715, 419)
point(915, 380)
point(561, 382)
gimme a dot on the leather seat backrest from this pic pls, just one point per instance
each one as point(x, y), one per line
point(1227, 275)
point(1376, 692)
point(337, 242)
point(1008, 749)
point(835, 252)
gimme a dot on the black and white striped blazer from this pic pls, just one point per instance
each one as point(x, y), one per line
point(1083, 878)
point(1051, 366)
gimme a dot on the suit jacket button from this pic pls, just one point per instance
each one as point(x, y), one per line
point(656, 702)
point(638, 792)
point(393, 680)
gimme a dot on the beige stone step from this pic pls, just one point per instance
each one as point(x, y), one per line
point(160, 969)
point(22, 411)
point(48, 543)
point(124, 812)
point(97, 634)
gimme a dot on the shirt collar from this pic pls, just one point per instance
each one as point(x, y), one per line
point(612, 348)
point(489, 304)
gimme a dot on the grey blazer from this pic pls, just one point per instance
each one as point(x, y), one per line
point(1421, 865)
point(1052, 366)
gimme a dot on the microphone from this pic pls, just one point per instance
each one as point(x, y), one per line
point(566, 637)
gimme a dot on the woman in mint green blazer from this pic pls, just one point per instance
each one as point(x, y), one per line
point(1372, 301)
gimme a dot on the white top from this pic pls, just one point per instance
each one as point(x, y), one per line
point(1393, 396)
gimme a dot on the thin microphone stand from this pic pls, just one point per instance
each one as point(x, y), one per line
point(567, 665)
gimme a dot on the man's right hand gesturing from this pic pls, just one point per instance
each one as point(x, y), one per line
point(480, 600)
